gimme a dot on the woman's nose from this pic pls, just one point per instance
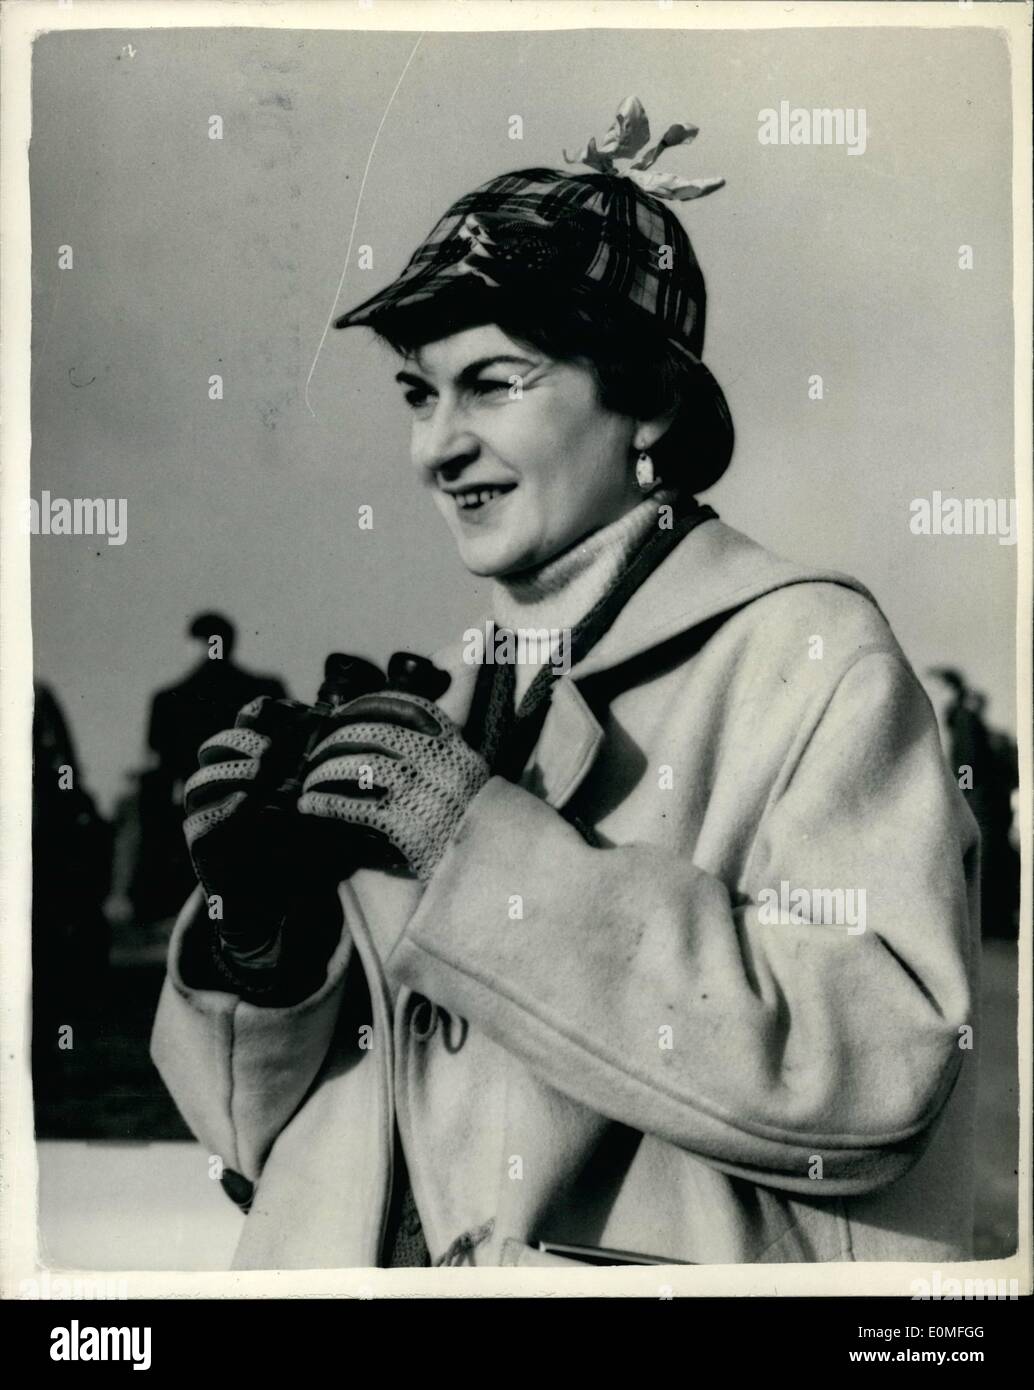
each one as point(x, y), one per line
point(444, 443)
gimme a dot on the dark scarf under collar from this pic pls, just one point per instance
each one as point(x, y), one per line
point(505, 735)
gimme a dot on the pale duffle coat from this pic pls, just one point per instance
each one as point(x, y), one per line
point(625, 1053)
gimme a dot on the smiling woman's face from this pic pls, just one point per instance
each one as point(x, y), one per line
point(523, 459)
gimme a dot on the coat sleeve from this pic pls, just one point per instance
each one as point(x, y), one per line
point(237, 1071)
point(636, 983)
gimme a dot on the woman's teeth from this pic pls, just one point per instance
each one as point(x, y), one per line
point(477, 497)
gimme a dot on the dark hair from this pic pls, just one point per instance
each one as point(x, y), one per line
point(638, 371)
point(208, 624)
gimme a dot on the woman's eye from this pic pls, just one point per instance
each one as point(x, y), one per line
point(484, 386)
point(416, 397)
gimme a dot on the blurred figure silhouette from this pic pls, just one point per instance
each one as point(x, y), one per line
point(71, 875)
point(182, 717)
point(984, 763)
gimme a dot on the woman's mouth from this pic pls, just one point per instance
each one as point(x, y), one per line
point(476, 499)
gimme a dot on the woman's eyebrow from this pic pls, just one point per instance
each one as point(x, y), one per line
point(471, 370)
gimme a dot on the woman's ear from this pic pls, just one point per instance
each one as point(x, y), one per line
point(648, 432)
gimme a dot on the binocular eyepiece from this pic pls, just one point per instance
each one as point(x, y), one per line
point(346, 677)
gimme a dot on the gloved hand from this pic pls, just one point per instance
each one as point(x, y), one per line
point(247, 853)
point(397, 765)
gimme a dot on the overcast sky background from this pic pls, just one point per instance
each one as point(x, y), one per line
point(194, 256)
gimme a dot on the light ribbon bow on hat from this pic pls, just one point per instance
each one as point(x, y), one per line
point(626, 138)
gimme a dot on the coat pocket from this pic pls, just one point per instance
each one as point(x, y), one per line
point(517, 1252)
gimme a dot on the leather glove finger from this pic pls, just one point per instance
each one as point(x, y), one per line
point(229, 763)
point(358, 775)
point(392, 707)
point(408, 763)
point(379, 739)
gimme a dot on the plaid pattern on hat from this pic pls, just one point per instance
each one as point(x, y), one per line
point(595, 233)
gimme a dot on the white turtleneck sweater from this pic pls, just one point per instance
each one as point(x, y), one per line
point(559, 593)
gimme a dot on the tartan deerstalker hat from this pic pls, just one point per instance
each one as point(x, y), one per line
point(599, 237)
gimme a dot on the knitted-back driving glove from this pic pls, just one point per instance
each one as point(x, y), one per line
point(399, 766)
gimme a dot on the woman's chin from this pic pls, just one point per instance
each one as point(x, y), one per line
point(485, 568)
point(494, 561)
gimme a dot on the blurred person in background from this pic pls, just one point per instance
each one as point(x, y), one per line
point(182, 717)
point(71, 876)
point(985, 763)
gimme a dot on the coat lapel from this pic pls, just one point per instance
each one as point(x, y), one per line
point(567, 745)
point(566, 749)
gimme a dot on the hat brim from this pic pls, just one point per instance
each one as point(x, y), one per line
point(402, 294)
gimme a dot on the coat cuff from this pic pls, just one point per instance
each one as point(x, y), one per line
point(236, 1070)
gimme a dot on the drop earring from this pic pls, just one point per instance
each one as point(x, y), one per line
point(644, 475)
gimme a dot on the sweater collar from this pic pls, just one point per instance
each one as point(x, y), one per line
point(559, 593)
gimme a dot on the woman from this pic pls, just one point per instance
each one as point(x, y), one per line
point(673, 956)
